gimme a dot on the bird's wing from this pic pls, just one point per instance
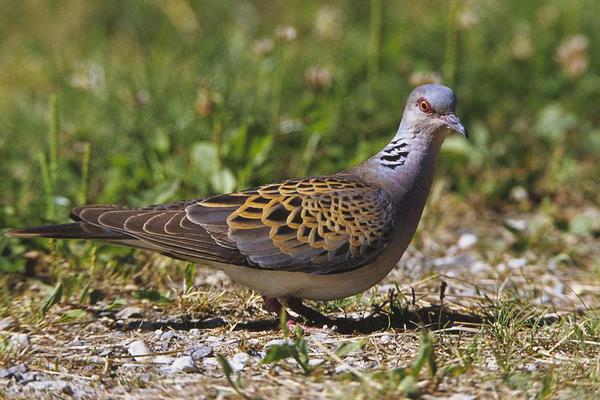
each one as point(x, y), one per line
point(164, 228)
point(313, 225)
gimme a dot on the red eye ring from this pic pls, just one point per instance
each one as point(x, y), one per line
point(424, 106)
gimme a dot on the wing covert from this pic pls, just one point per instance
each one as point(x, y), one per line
point(313, 225)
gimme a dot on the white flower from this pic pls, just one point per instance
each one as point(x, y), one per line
point(286, 33)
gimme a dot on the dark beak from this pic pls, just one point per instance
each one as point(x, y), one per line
point(454, 123)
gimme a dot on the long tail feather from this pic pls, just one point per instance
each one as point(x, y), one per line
point(76, 230)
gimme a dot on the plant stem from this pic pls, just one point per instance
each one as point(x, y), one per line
point(374, 41)
point(450, 54)
point(85, 172)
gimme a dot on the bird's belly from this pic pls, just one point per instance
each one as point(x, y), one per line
point(283, 284)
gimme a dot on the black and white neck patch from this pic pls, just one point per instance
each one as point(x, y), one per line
point(394, 154)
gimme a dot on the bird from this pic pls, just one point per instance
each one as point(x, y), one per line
point(312, 238)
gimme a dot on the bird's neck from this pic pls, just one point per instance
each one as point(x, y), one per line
point(404, 168)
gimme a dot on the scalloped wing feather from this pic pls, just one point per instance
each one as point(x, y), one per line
point(313, 225)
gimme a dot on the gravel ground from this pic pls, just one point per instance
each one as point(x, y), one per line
point(152, 350)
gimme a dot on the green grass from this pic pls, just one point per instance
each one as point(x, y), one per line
point(146, 102)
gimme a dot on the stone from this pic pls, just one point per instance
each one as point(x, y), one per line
point(54, 386)
point(163, 359)
point(200, 352)
point(130, 312)
point(210, 362)
point(18, 369)
point(462, 396)
point(516, 224)
point(138, 348)
point(19, 340)
point(315, 362)
point(105, 352)
point(385, 339)
point(278, 342)
point(167, 336)
point(516, 263)
point(132, 365)
point(183, 364)
point(27, 377)
point(239, 361)
point(467, 240)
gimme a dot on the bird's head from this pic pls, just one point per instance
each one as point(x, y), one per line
point(430, 111)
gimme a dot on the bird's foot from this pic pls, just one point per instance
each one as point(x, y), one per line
point(272, 305)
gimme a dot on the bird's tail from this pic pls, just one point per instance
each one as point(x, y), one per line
point(75, 230)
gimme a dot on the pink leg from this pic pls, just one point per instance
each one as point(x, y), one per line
point(274, 306)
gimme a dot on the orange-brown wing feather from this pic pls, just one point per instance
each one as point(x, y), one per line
point(313, 225)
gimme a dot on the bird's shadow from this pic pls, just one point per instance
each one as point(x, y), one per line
point(433, 317)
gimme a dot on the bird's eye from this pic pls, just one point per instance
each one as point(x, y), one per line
point(424, 106)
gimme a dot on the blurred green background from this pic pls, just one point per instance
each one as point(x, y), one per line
point(151, 101)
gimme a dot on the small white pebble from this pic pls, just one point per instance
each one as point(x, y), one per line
point(19, 340)
point(342, 368)
point(467, 240)
point(53, 386)
point(138, 348)
point(315, 362)
point(519, 194)
point(278, 342)
point(200, 352)
point(491, 364)
point(516, 224)
point(239, 361)
point(129, 312)
point(461, 396)
point(132, 365)
point(183, 364)
point(515, 263)
point(163, 359)
point(210, 362)
point(319, 336)
point(167, 336)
